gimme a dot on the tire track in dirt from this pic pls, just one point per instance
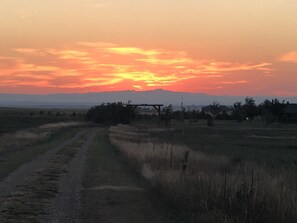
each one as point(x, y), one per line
point(114, 192)
point(10, 183)
point(48, 195)
point(66, 206)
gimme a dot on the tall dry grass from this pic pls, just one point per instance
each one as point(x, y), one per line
point(228, 189)
point(60, 125)
point(12, 141)
point(27, 137)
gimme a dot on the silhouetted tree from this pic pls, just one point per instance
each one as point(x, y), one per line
point(193, 115)
point(176, 115)
point(273, 107)
point(224, 115)
point(209, 121)
point(217, 110)
point(238, 111)
point(167, 114)
point(250, 108)
point(214, 108)
point(202, 115)
point(110, 113)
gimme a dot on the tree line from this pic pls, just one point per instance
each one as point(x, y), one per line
point(270, 111)
point(110, 113)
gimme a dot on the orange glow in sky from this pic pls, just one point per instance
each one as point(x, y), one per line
point(230, 47)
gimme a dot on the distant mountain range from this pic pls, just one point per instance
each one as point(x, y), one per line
point(144, 97)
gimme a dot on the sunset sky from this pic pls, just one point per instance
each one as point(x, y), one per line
point(229, 47)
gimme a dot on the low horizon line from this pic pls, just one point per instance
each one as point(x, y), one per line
point(140, 91)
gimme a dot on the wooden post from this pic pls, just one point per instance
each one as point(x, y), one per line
point(225, 185)
point(171, 158)
point(157, 107)
point(185, 162)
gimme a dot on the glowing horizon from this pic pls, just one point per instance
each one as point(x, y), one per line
point(209, 47)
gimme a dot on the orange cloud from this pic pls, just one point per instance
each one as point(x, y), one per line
point(29, 51)
point(132, 50)
point(102, 66)
point(289, 57)
point(233, 82)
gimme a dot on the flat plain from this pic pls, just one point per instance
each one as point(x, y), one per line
point(59, 168)
point(229, 172)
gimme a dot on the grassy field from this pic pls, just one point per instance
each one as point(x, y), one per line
point(230, 172)
point(32, 199)
point(11, 160)
point(272, 145)
point(13, 119)
point(114, 192)
point(24, 136)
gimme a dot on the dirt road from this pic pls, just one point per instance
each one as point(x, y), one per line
point(9, 184)
point(66, 206)
point(114, 192)
point(84, 179)
point(30, 192)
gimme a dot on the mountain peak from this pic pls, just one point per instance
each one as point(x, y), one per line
point(156, 96)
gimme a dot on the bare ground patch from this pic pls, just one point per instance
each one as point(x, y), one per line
point(10, 183)
point(116, 188)
point(114, 192)
point(31, 200)
point(65, 208)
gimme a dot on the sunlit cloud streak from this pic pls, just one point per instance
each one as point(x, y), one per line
point(233, 82)
point(97, 66)
point(289, 57)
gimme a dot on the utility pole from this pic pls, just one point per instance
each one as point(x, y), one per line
point(182, 115)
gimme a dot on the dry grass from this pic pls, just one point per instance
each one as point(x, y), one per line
point(10, 142)
point(60, 125)
point(200, 183)
point(32, 200)
point(31, 136)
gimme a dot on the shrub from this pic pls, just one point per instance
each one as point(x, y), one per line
point(111, 113)
point(269, 118)
point(210, 121)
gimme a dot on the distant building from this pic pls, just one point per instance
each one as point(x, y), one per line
point(146, 111)
point(291, 112)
